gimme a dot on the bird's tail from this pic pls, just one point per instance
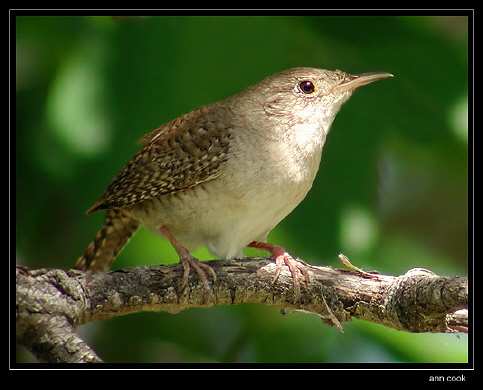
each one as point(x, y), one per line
point(111, 238)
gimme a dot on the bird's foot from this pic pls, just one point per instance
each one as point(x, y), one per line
point(189, 262)
point(282, 258)
point(201, 269)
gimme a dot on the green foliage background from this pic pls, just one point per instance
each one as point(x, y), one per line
point(391, 193)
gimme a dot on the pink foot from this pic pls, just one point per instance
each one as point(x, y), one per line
point(189, 262)
point(281, 257)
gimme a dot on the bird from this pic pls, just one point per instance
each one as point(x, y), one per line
point(225, 174)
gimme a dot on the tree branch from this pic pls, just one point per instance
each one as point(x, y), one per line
point(51, 303)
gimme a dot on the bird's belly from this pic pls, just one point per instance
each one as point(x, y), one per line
point(225, 220)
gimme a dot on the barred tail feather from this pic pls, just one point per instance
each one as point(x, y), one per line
point(118, 228)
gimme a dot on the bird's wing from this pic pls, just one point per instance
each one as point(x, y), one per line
point(178, 155)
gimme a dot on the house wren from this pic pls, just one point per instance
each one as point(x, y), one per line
point(224, 175)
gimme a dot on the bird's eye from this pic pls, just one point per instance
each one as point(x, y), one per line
point(307, 87)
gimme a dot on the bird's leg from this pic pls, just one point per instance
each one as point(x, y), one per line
point(188, 262)
point(281, 257)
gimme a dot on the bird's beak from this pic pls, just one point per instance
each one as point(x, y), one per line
point(356, 81)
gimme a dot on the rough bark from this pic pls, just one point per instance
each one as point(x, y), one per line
point(51, 303)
